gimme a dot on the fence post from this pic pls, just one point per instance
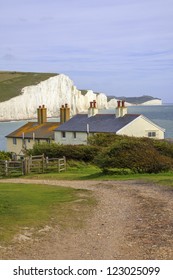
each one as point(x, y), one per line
point(43, 163)
point(46, 162)
point(25, 166)
point(29, 161)
point(64, 163)
point(58, 165)
point(6, 167)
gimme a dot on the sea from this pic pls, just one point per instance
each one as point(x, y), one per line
point(162, 115)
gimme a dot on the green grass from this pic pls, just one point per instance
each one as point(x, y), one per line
point(77, 172)
point(82, 171)
point(11, 83)
point(33, 206)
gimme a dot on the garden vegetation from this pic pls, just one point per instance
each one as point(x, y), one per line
point(114, 153)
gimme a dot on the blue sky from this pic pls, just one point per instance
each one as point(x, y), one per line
point(119, 47)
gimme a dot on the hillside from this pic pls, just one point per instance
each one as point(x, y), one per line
point(11, 83)
point(134, 100)
point(22, 93)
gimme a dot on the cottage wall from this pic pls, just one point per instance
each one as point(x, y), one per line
point(70, 139)
point(141, 127)
point(16, 146)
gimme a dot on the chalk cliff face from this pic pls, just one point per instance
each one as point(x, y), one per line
point(53, 93)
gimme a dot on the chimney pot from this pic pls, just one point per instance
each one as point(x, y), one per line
point(118, 103)
point(64, 113)
point(94, 103)
point(123, 103)
point(39, 115)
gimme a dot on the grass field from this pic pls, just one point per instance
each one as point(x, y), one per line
point(11, 83)
point(91, 172)
point(34, 206)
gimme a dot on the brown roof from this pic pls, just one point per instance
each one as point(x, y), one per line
point(41, 131)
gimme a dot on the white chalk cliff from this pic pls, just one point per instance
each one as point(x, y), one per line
point(53, 93)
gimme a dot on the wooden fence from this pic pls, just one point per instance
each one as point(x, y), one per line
point(11, 168)
point(31, 165)
point(56, 164)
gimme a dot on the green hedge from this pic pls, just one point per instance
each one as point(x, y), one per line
point(75, 152)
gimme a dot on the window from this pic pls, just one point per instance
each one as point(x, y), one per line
point(151, 134)
point(74, 135)
point(14, 141)
point(63, 134)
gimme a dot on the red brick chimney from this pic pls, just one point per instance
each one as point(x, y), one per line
point(92, 111)
point(121, 109)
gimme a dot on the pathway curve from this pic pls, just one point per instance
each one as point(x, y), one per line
point(132, 220)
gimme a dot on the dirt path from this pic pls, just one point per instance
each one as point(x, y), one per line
point(132, 220)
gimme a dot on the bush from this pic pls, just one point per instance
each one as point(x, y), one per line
point(164, 147)
point(138, 156)
point(75, 152)
point(5, 155)
point(104, 139)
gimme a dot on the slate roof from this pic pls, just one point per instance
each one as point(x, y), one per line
point(41, 131)
point(97, 123)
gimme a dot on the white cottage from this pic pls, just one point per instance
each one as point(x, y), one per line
point(77, 129)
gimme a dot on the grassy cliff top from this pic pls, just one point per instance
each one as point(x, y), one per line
point(11, 83)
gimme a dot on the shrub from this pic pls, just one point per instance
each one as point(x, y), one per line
point(75, 152)
point(5, 155)
point(164, 147)
point(104, 139)
point(138, 156)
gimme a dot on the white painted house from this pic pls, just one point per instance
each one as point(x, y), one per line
point(77, 129)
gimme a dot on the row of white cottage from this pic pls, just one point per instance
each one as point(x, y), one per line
point(76, 130)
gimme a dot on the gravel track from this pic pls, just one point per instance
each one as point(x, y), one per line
point(132, 220)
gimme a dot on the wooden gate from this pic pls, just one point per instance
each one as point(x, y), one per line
point(55, 164)
point(34, 164)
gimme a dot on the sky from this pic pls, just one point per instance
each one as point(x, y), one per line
point(118, 47)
